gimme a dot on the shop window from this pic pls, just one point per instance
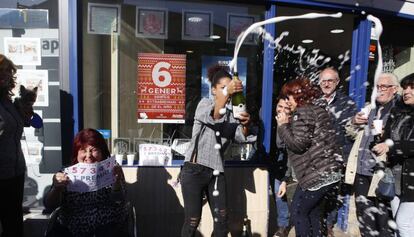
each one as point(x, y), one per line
point(397, 43)
point(29, 36)
point(134, 50)
point(325, 42)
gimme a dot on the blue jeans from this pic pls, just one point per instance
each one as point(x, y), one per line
point(306, 211)
point(282, 207)
point(338, 207)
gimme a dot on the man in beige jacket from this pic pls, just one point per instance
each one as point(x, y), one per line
point(372, 212)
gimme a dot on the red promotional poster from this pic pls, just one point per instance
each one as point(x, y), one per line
point(161, 88)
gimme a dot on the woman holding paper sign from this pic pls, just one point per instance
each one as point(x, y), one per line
point(203, 171)
point(97, 213)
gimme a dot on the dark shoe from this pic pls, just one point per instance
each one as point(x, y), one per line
point(281, 232)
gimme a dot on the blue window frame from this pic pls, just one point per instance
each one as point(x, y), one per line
point(359, 57)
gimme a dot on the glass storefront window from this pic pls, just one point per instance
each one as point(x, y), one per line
point(30, 37)
point(192, 33)
point(397, 42)
point(328, 40)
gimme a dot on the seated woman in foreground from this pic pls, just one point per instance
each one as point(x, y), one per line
point(97, 213)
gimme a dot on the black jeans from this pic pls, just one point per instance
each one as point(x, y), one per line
point(198, 181)
point(307, 210)
point(11, 210)
point(373, 213)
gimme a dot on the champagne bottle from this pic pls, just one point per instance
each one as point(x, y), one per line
point(238, 100)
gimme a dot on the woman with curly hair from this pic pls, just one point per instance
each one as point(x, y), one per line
point(310, 139)
point(12, 162)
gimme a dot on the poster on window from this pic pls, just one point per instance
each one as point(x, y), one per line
point(121, 146)
point(31, 79)
point(236, 24)
point(151, 23)
point(104, 19)
point(197, 25)
point(23, 51)
point(154, 155)
point(161, 88)
point(208, 61)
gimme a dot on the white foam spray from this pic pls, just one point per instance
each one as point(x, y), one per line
point(378, 31)
point(256, 26)
point(309, 61)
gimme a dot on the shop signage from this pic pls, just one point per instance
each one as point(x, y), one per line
point(151, 23)
point(372, 50)
point(161, 88)
point(50, 47)
point(104, 19)
point(23, 51)
point(237, 24)
point(154, 155)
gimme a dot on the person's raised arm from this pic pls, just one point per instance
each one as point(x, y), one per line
point(297, 134)
point(53, 198)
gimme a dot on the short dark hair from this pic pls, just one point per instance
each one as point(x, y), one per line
point(408, 81)
point(216, 72)
point(7, 78)
point(302, 90)
point(89, 136)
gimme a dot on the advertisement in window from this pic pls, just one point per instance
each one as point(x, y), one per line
point(161, 88)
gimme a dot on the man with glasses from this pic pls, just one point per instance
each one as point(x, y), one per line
point(373, 212)
point(342, 108)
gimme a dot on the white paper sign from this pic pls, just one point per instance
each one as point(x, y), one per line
point(180, 146)
point(32, 151)
point(90, 177)
point(31, 79)
point(23, 51)
point(154, 155)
